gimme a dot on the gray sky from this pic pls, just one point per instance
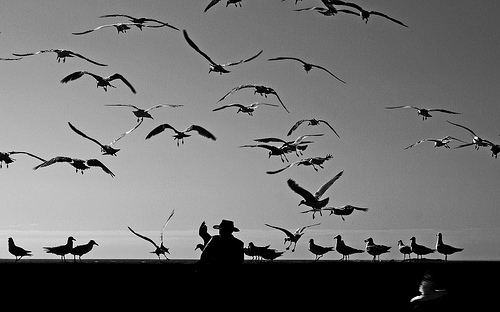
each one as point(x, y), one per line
point(447, 58)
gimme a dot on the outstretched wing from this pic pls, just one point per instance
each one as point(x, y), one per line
point(279, 99)
point(165, 225)
point(244, 61)
point(299, 190)
point(125, 81)
point(442, 111)
point(301, 229)
point(74, 76)
point(163, 105)
point(195, 47)
point(124, 105)
point(53, 161)
point(326, 122)
point(287, 232)
point(268, 140)
point(401, 106)
point(201, 131)
point(87, 59)
point(281, 58)
point(472, 132)
point(159, 129)
point(236, 89)
point(143, 237)
point(32, 53)
point(125, 133)
point(296, 125)
point(416, 143)
point(322, 68)
point(229, 105)
point(203, 232)
point(327, 185)
point(282, 169)
point(29, 154)
point(211, 4)
point(84, 135)
point(96, 163)
point(104, 26)
point(388, 17)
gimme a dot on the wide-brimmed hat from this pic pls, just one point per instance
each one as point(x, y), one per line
point(226, 224)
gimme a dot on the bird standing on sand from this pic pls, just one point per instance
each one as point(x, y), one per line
point(374, 249)
point(445, 249)
point(248, 109)
point(345, 250)
point(62, 54)
point(82, 249)
point(404, 249)
point(144, 113)
point(419, 250)
point(78, 164)
point(293, 238)
point(180, 135)
point(344, 210)
point(103, 82)
point(318, 250)
point(307, 66)
point(17, 251)
point(260, 89)
point(5, 157)
point(424, 112)
point(311, 122)
point(62, 250)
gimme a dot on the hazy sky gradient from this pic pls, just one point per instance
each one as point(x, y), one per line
point(447, 58)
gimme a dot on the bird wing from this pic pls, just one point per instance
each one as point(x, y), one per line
point(124, 105)
point(281, 58)
point(203, 232)
point(237, 89)
point(165, 225)
point(464, 145)
point(287, 232)
point(10, 59)
point(268, 140)
point(442, 110)
point(104, 26)
point(472, 132)
point(75, 75)
point(321, 67)
point(301, 229)
point(29, 154)
point(256, 104)
point(388, 17)
point(269, 147)
point(299, 190)
point(163, 105)
point(358, 208)
point(401, 106)
point(244, 60)
point(53, 161)
point(84, 135)
point(97, 163)
point(229, 105)
point(296, 125)
point(201, 131)
point(325, 186)
point(211, 4)
point(282, 169)
point(159, 129)
point(125, 133)
point(87, 59)
point(32, 53)
point(125, 81)
point(416, 143)
point(143, 237)
point(194, 46)
point(279, 99)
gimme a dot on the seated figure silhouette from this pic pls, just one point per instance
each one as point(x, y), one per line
point(223, 248)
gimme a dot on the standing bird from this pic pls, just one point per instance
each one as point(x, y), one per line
point(476, 140)
point(260, 89)
point(120, 27)
point(404, 249)
point(17, 251)
point(214, 2)
point(180, 135)
point(311, 161)
point(78, 164)
point(106, 149)
point(318, 250)
point(62, 250)
point(103, 82)
point(140, 21)
point(445, 249)
point(437, 142)
point(144, 113)
point(344, 210)
point(424, 112)
point(294, 237)
point(82, 249)
point(313, 201)
point(307, 66)
point(214, 67)
point(365, 15)
point(374, 249)
point(345, 250)
point(248, 109)
point(5, 157)
point(62, 54)
point(159, 250)
point(311, 122)
point(205, 236)
point(419, 250)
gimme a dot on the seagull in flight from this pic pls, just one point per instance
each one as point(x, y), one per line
point(10, 58)
point(5, 157)
point(273, 150)
point(307, 66)
point(214, 67)
point(180, 135)
point(103, 82)
point(144, 113)
point(78, 164)
point(294, 237)
point(311, 122)
point(311, 161)
point(61, 54)
point(159, 250)
point(437, 142)
point(140, 21)
point(262, 90)
point(214, 2)
point(313, 201)
point(290, 146)
point(344, 210)
point(424, 112)
point(120, 27)
point(328, 10)
point(248, 109)
point(476, 140)
point(106, 149)
point(365, 15)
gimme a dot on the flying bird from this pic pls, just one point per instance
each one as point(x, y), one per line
point(159, 250)
point(17, 251)
point(328, 9)
point(214, 2)
point(297, 145)
point(424, 112)
point(5, 157)
point(81, 250)
point(365, 15)
point(214, 67)
point(318, 250)
point(10, 58)
point(428, 292)
point(476, 140)
point(273, 150)
point(262, 90)
point(248, 109)
point(311, 122)
point(78, 164)
point(180, 135)
point(374, 249)
point(144, 113)
point(61, 54)
point(404, 249)
point(419, 250)
point(106, 149)
point(344, 210)
point(120, 27)
point(495, 148)
point(311, 161)
point(294, 237)
point(345, 250)
point(315, 200)
point(307, 66)
point(103, 82)
point(205, 236)
point(62, 250)
point(140, 21)
point(437, 142)
point(445, 249)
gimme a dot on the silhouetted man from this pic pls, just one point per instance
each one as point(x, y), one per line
point(223, 248)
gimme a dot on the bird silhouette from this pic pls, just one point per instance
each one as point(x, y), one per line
point(404, 249)
point(62, 250)
point(437, 142)
point(327, 10)
point(294, 237)
point(144, 113)
point(273, 150)
point(297, 145)
point(476, 140)
point(215, 67)
point(103, 82)
point(345, 250)
point(248, 109)
point(374, 249)
point(17, 251)
point(61, 54)
point(5, 157)
point(81, 250)
point(140, 21)
point(445, 249)
point(344, 210)
point(120, 28)
point(78, 164)
point(424, 112)
point(419, 250)
point(311, 122)
point(106, 149)
point(317, 250)
point(256, 251)
point(307, 66)
point(311, 161)
point(214, 2)
point(205, 236)
point(180, 135)
point(260, 89)
point(428, 293)
point(365, 15)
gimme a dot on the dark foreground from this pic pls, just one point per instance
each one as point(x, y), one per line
point(279, 285)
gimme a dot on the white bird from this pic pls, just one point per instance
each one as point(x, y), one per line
point(103, 82)
point(311, 122)
point(345, 250)
point(140, 21)
point(404, 249)
point(374, 249)
point(311, 161)
point(307, 66)
point(159, 250)
point(120, 27)
point(5, 157)
point(62, 54)
point(106, 149)
point(424, 112)
point(62, 250)
point(78, 164)
point(318, 250)
point(144, 113)
point(17, 251)
point(180, 135)
point(248, 109)
point(315, 200)
point(215, 67)
point(214, 2)
point(476, 140)
point(445, 249)
point(419, 250)
point(437, 142)
point(294, 237)
point(260, 89)
point(81, 250)
point(428, 291)
point(344, 210)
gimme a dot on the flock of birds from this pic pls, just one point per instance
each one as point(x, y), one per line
point(315, 202)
